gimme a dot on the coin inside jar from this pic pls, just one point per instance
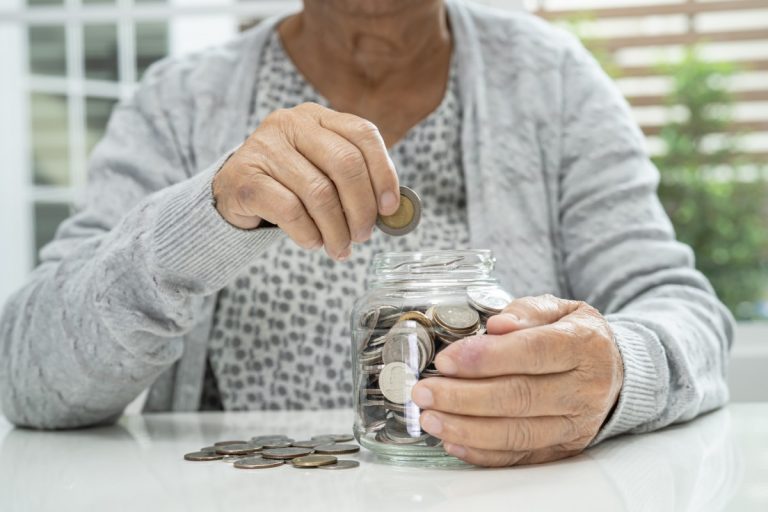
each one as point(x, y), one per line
point(396, 381)
point(407, 216)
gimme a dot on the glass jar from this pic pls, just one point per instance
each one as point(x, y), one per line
point(417, 304)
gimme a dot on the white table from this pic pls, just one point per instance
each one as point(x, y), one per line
point(717, 462)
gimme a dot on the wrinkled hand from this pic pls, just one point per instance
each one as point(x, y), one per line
point(322, 176)
point(536, 388)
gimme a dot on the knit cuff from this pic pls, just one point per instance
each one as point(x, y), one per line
point(193, 240)
point(640, 396)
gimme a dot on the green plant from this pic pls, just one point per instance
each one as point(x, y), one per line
point(714, 209)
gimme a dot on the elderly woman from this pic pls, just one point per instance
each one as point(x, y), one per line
point(221, 278)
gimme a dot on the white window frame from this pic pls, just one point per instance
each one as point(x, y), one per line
point(19, 194)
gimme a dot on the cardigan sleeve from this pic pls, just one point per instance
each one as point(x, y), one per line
point(126, 277)
point(621, 256)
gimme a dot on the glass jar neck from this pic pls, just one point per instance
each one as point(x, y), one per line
point(432, 267)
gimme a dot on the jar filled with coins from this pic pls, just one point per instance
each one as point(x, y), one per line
point(417, 304)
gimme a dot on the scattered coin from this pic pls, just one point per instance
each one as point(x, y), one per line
point(335, 438)
point(407, 216)
point(258, 463)
point(279, 444)
point(313, 461)
point(285, 453)
point(342, 464)
point(238, 449)
point(312, 443)
point(224, 443)
point(336, 449)
point(203, 456)
point(232, 458)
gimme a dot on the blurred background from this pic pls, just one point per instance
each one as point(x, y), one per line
point(695, 73)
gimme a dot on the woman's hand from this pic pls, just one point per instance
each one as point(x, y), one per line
point(536, 388)
point(320, 175)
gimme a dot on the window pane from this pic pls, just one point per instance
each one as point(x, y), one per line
point(151, 44)
point(100, 43)
point(47, 50)
point(48, 216)
point(50, 148)
point(97, 111)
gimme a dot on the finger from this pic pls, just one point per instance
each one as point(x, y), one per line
point(366, 136)
point(345, 165)
point(267, 198)
point(507, 396)
point(527, 312)
point(320, 198)
point(519, 434)
point(504, 458)
point(539, 350)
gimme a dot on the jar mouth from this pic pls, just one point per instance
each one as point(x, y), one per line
point(432, 264)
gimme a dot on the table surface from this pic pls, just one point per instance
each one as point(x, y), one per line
point(717, 462)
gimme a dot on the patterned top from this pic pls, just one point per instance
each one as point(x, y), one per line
point(281, 336)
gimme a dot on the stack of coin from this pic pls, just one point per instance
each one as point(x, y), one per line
point(270, 451)
point(397, 347)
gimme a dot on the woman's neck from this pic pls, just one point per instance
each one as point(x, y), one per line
point(372, 47)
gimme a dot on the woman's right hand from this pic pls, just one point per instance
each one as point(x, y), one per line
point(320, 175)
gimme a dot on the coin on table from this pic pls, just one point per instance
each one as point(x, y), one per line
point(279, 444)
point(396, 381)
point(407, 216)
point(271, 438)
point(313, 461)
point(341, 464)
point(224, 443)
point(310, 443)
point(285, 453)
point(238, 449)
point(202, 456)
point(233, 458)
point(337, 449)
point(335, 438)
point(258, 463)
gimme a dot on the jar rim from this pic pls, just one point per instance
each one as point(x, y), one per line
point(431, 263)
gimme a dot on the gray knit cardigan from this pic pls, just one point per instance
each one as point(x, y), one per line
point(559, 186)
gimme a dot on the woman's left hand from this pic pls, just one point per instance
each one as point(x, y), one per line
point(536, 388)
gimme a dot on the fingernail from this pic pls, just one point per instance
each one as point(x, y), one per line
point(388, 201)
point(431, 423)
point(343, 255)
point(422, 396)
point(445, 365)
point(454, 449)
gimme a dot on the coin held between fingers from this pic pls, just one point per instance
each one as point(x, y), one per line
point(406, 217)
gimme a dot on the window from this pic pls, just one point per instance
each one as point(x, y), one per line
point(71, 62)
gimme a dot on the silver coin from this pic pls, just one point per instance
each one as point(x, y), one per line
point(373, 369)
point(285, 453)
point(224, 443)
point(279, 444)
point(489, 300)
point(238, 449)
point(258, 463)
point(203, 456)
point(337, 449)
point(396, 381)
point(403, 346)
point(270, 438)
point(457, 317)
point(209, 449)
point(341, 464)
point(232, 458)
point(311, 443)
point(336, 438)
